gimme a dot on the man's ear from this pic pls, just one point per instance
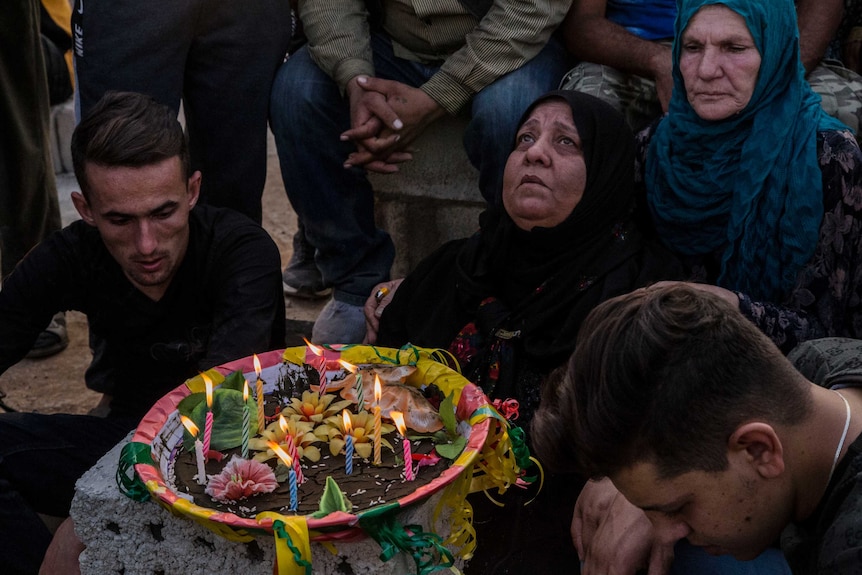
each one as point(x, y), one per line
point(759, 445)
point(194, 187)
point(80, 203)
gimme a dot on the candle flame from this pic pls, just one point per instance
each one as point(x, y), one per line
point(282, 454)
point(282, 423)
point(208, 383)
point(245, 391)
point(348, 422)
point(377, 389)
point(348, 366)
point(190, 425)
point(314, 349)
point(398, 419)
point(256, 366)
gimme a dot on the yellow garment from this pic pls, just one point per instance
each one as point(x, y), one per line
point(60, 12)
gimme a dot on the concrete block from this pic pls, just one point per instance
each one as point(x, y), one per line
point(126, 537)
point(432, 199)
point(419, 226)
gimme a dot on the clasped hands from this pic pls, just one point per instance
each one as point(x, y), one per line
point(385, 118)
point(613, 537)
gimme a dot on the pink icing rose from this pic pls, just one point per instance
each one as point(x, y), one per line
point(241, 478)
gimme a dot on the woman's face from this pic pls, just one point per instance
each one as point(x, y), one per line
point(719, 62)
point(545, 175)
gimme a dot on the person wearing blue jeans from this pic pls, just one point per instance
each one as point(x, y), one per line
point(324, 144)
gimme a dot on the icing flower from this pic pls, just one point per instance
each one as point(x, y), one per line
point(241, 478)
point(312, 407)
point(301, 433)
point(332, 431)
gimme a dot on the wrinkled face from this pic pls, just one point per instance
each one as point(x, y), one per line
point(727, 513)
point(719, 62)
point(142, 215)
point(545, 175)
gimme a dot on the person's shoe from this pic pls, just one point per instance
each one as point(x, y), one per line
point(339, 322)
point(301, 278)
point(51, 341)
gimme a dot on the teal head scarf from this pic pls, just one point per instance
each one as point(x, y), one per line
point(748, 186)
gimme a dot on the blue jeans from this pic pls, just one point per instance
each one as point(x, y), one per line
point(691, 560)
point(41, 458)
point(336, 205)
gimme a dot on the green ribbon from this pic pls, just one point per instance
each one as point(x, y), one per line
point(517, 436)
point(281, 532)
point(411, 349)
point(127, 480)
point(425, 547)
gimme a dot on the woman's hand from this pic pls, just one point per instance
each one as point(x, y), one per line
point(61, 558)
point(380, 297)
point(613, 537)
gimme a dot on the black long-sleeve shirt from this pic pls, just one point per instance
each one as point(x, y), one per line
point(225, 302)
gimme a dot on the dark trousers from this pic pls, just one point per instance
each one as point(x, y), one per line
point(219, 57)
point(28, 193)
point(41, 458)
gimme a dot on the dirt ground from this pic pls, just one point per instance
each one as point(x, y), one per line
point(56, 384)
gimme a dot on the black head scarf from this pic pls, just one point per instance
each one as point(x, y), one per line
point(547, 279)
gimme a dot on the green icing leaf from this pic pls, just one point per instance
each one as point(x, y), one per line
point(282, 473)
point(234, 381)
point(332, 500)
point(447, 414)
point(227, 419)
point(451, 450)
point(189, 402)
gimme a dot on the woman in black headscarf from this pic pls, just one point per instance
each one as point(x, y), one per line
point(508, 302)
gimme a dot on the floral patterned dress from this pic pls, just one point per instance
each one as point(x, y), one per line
point(827, 298)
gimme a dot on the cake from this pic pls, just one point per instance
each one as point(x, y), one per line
point(293, 402)
point(459, 430)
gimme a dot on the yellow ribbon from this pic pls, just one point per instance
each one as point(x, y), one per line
point(293, 552)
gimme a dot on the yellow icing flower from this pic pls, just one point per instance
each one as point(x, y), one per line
point(313, 407)
point(300, 431)
point(332, 430)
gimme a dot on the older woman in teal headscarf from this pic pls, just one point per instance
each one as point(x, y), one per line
point(749, 180)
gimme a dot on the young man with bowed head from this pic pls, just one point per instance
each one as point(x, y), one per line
point(169, 289)
point(698, 419)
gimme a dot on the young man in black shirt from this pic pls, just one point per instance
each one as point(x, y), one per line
point(691, 413)
point(169, 289)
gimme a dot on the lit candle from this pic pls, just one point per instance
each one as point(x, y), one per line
point(259, 387)
point(291, 448)
point(320, 365)
point(348, 443)
point(377, 422)
point(398, 418)
point(291, 474)
point(208, 425)
point(360, 396)
point(245, 420)
point(199, 450)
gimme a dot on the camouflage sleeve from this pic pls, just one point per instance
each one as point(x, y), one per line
point(832, 362)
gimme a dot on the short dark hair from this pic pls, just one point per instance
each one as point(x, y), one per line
point(127, 129)
point(664, 375)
